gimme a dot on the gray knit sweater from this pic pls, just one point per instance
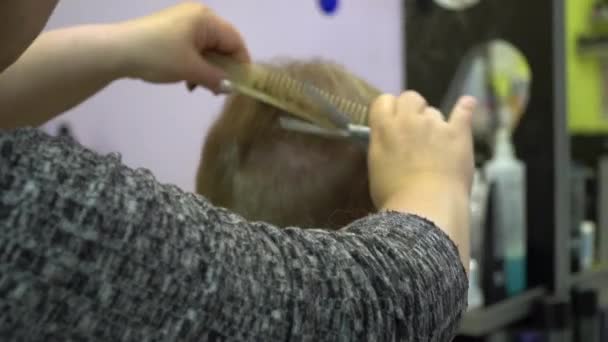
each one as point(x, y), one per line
point(91, 250)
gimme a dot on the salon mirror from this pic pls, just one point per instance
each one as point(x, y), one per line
point(499, 76)
point(456, 5)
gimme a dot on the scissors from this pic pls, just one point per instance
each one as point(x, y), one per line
point(345, 128)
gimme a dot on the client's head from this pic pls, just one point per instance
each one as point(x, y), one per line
point(256, 168)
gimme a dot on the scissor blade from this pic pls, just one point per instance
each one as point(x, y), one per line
point(336, 117)
point(305, 127)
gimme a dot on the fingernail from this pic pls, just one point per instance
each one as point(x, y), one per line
point(225, 87)
point(468, 102)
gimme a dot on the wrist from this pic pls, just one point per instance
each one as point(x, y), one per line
point(446, 204)
point(114, 51)
point(428, 189)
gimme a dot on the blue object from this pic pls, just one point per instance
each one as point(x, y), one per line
point(329, 7)
point(516, 275)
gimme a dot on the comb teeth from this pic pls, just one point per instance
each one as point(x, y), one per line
point(287, 93)
point(357, 112)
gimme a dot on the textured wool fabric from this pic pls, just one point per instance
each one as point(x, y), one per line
point(91, 250)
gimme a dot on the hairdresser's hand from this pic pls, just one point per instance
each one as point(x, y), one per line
point(412, 144)
point(168, 46)
point(421, 164)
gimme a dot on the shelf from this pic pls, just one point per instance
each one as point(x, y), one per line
point(593, 45)
point(483, 321)
point(597, 278)
point(599, 15)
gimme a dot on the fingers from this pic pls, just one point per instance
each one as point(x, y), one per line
point(224, 87)
point(411, 103)
point(462, 113)
point(214, 34)
point(382, 109)
point(434, 113)
point(205, 74)
point(217, 34)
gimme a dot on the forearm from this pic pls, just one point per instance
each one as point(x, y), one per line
point(105, 249)
point(445, 205)
point(60, 70)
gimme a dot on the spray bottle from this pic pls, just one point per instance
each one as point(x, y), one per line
point(475, 294)
point(507, 174)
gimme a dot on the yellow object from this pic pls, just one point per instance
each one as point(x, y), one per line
point(584, 74)
point(510, 71)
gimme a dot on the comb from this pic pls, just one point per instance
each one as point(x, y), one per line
point(295, 97)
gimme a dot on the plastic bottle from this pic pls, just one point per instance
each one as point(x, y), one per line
point(509, 214)
point(479, 204)
point(587, 245)
point(475, 294)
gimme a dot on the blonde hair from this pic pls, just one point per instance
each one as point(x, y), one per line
point(256, 168)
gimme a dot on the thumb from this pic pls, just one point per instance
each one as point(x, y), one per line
point(462, 114)
point(203, 73)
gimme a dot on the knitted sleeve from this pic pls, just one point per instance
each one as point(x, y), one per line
point(91, 250)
